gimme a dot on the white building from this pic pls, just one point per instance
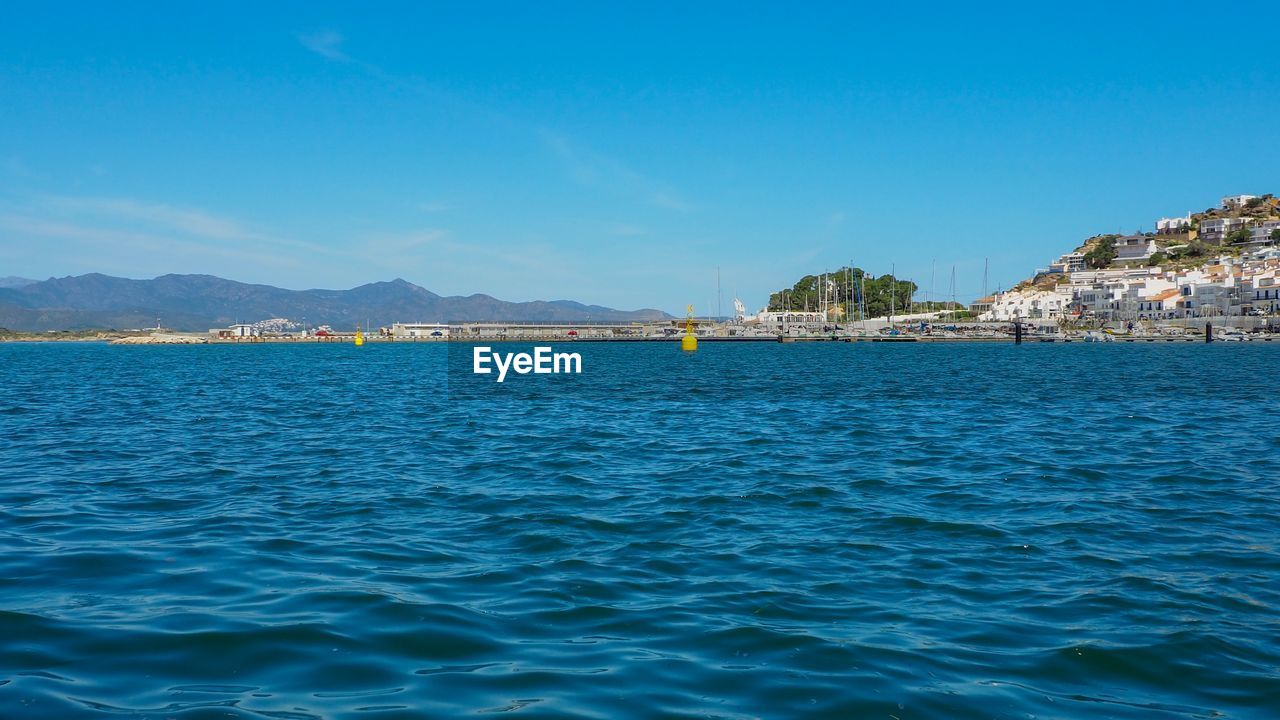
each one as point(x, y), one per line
point(1163, 305)
point(1115, 275)
point(778, 318)
point(409, 331)
point(1261, 235)
point(1135, 247)
point(1214, 230)
point(1170, 226)
point(239, 330)
point(982, 305)
point(1262, 291)
point(1235, 202)
point(1213, 289)
point(1028, 304)
point(1114, 294)
point(1069, 263)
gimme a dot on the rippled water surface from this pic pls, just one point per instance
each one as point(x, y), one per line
point(861, 531)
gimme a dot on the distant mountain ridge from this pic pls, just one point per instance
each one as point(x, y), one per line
point(200, 302)
point(12, 281)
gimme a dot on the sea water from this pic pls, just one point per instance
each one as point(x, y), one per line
point(751, 530)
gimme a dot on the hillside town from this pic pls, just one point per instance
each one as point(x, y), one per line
point(1220, 263)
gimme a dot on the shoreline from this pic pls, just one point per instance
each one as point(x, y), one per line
point(782, 340)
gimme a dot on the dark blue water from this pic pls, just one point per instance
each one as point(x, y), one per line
point(861, 531)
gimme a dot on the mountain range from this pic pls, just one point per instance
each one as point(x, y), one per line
point(12, 281)
point(200, 302)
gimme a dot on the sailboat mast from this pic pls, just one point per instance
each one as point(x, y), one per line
point(893, 288)
point(862, 297)
point(953, 292)
point(933, 273)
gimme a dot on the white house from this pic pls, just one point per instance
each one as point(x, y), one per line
point(1216, 229)
point(1261, 235)
point(1028, 304)
point(1170, 226)
point(1068, 263)
point(1235, 202)
point(1263, 290)
point(1162, 305)
point(1117, 293)
point(1114, 275)
point(1212, 289)
point(982, 305)
point(1135, 247)
point(239, 330)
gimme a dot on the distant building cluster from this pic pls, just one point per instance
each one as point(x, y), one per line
point(1224, 286)
point(1243, 281)
point(274, 327)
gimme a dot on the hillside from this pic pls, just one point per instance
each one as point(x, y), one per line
point(877, 296)
point(200, 302)
point(1189, 246)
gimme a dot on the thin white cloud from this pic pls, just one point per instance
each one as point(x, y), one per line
point(325, 43)
point(160, 219)
point(434, 206)
point(595, 170)
point(13, 165)
point(624, 230)
point(664, 199)
point(587, 168)
point(391, 246)
point(88, 241)
point(435, 249)
point(186, 220)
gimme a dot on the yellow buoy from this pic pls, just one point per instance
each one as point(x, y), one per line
point(359, 337)
point(689, 343)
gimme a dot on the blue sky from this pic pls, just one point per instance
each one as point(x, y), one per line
point(616, 155)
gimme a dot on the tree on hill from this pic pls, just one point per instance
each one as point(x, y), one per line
point(1236, 237)
point(1101, 254)
point(1275, 235)
point(880, 292)
point(1194, 249)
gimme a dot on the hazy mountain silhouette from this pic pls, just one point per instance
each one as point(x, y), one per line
point(13, 281)
point(200, 302)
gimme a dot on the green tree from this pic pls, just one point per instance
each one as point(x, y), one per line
point(880, 293)
point(1102, 254)
point(1275, 235)
point(1197, 248)
point(1236, 237)
point(1157, 259)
